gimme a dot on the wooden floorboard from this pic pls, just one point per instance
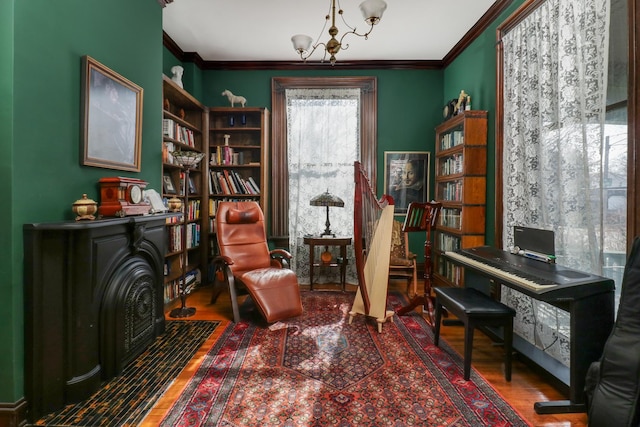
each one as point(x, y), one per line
point(526, 387)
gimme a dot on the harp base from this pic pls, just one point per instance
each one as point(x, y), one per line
point(388, 315)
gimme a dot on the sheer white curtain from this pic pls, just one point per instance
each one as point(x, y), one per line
point(554, 79)
point(323, 134)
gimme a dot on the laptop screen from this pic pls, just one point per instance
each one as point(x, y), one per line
point(535, 240)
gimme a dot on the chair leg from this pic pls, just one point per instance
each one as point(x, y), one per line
point(414, 279)
point(468, 347)
point(234, 295)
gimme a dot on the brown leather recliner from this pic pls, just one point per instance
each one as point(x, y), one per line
point(245, 257)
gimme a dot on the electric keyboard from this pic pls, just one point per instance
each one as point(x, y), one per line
point(501, 273)
point(544, 281)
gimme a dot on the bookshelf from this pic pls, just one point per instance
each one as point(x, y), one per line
point(238, 158)
point(183, 128)
point(460, 179)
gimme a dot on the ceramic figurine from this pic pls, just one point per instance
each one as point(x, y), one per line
point(177, 71)
point(233, 99)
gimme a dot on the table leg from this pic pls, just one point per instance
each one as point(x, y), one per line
point(312, 257)
point(343, 266)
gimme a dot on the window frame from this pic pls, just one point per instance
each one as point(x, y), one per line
point(279, 218)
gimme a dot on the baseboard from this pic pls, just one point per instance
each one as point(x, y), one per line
point(13, 414)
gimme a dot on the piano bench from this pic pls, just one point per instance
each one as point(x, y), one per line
point(475, 309)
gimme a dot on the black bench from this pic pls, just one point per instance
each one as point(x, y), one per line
point(475, 309)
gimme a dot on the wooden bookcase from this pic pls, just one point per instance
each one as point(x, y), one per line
point(461, 185)
point(238, 159)
point(185, 121)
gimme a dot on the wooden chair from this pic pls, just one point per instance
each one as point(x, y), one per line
point(402, 264)
point(245, 259)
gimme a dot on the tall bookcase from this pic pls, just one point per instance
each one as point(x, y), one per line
point(184, 125)
point(460, 179)
point(238, 159)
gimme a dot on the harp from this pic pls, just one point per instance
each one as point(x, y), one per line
point(373, 225)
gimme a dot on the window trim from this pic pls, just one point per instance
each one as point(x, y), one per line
point(280, 175)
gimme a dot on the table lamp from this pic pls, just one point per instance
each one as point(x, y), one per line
point(327, 199)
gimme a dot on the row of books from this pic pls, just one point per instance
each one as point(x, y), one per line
point(450, 218)
point(452, 190)
point(452, 139)
point(173, 130)
point(175, 236)
point(225, 155)
point(452, 272)
point(447, 242)
point(231, 182)
point(172, 288)
point(451, 165)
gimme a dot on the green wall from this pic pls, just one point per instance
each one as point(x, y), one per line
point(42, 44)
point(10, 320)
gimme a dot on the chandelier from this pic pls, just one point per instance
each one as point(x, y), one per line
point(372, 11)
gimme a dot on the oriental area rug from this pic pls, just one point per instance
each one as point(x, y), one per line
point(317, 370)
point(126, 399)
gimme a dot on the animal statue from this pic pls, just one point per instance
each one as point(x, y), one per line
point(233, 99)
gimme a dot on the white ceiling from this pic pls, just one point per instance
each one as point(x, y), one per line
point(261, 30)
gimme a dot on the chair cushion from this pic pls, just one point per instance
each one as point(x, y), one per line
point(471, 302)
point(275, 292)
point(237, 216)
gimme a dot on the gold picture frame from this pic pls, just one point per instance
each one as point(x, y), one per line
point(112, 118)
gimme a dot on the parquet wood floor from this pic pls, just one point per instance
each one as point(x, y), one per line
point(526, 387)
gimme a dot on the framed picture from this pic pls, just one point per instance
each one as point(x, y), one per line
point(406, 177)
point(112, 118)
point(167, 184)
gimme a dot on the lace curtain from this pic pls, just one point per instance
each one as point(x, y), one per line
point(555, 75)
point(323, 134)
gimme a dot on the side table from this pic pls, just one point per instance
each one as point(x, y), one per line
point(341, 262)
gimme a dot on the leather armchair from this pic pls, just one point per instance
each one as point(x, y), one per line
point(245, 259)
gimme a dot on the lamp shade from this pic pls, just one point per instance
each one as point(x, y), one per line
point(187, 159)
point(327, 199)
point(301, 42)
point(372, 10)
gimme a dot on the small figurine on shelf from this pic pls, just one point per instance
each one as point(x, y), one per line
point(233, 99)
point(462, 100)
point(177, 71)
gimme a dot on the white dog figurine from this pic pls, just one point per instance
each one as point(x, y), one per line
point(233, 99)
point(177, 71)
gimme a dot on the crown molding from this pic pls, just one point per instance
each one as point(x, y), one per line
point(483, 23)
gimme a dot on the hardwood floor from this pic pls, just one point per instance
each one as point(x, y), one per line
point(526, 386)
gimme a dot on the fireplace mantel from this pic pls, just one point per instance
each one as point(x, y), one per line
point(93, 302)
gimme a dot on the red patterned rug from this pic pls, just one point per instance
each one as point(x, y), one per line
point(317, 370)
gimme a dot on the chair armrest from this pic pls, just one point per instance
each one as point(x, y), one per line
point(280, 258)
point(221, 259)
point(280, 253)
